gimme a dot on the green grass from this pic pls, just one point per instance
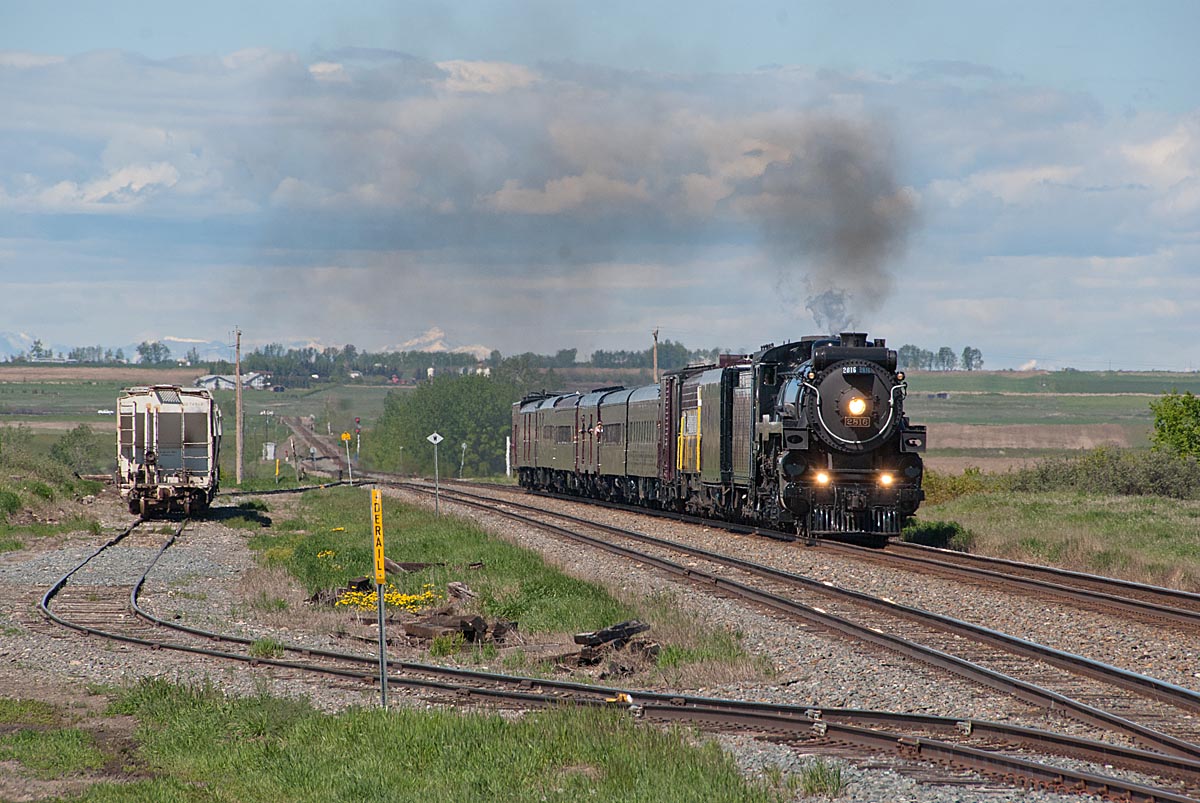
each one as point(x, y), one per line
point(203, 746)
point(1145, 538)
point(59, 401)
point(33, 482)
point(994, 408)
point(824, 778)
point(1053, 381)
point(51, 753)
point(330, 542)
point(513, 583)
point(27, 712)
point(267, 648)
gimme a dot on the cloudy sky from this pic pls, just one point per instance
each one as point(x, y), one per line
point(1021, 177)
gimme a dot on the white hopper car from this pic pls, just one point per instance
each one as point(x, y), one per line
point(168, 449)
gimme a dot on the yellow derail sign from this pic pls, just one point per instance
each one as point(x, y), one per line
point(345, 436)
point(377, 528)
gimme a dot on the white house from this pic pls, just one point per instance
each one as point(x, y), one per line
point(255, 379)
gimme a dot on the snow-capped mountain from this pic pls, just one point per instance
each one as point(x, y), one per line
point(434, 339)
point(13, 343)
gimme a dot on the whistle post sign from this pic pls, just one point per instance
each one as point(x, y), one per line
point(377, 529)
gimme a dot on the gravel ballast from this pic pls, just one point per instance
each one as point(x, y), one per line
point(206, 575)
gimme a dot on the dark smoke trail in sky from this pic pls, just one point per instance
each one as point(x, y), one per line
point(833, 214)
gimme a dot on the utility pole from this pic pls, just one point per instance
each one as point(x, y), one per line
point(237, 378)
point(655, 333)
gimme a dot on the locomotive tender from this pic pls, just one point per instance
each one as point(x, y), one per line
point(168, 447)
point(809, 435)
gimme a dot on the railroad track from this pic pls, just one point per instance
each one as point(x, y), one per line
point(77, 605)
point(1147, 603)
point(1161, 715)
point(1155, 603)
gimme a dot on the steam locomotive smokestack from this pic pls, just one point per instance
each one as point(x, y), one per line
point(833, 214)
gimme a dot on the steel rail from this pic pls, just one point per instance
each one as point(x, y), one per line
point(958, 560)
point(1133, 681)
point(1023, 690)
point(1141, 607)
point(793, 721)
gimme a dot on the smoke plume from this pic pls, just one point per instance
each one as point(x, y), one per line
point(833, 216)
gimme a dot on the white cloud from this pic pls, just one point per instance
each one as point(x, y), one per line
point(486, 76)
point(124, 188)
point(567, 194)
point(1038, 213)
point(329, 71)
point(1010, 186)
point(258, 58)
point(25, 61)
point(1170, 158)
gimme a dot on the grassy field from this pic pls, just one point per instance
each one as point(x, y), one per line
point(1149, 382)
point(996, 408)
point(329, 541)
point(1143, 538)
point(999, 421)
point(195, 745)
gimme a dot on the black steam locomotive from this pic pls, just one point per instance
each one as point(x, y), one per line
point(810, 435)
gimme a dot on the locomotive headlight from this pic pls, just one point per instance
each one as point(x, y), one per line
point(900, 376)
point(857, 406)
point(886, 479)
point(822, 478)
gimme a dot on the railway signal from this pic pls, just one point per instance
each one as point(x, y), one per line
point(435, 439)
point(349, 467)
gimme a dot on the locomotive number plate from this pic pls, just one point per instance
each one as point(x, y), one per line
point(857, 421)
point(856, 369)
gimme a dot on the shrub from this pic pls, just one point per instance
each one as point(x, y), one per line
point(80, 450)
point(941, 534)
point(446, 645)
point(267, 648)
point(940, 488)
point(10, 503)
point(1107, 470)
point(1177, 423)
point(820, 777)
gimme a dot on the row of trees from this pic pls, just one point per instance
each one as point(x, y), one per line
point(471, 410)
point(671, 355)
point(915, 358)
point(148, 352)
point(295, 367)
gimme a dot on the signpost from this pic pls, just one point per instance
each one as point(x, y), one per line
point(380, 580)
point(435, 439)
point(350, 468)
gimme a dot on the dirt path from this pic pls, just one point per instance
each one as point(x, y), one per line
point(1027, 436)
point(128, 374)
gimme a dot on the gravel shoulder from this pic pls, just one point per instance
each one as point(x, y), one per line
point(211, 578)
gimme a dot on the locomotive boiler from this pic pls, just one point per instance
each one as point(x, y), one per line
point(809, 435)
point(168, 448)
